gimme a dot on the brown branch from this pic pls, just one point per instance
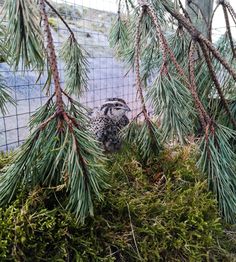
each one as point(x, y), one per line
point(137, 65)
point(45, 123)
point(62, 19)
point(161, 37)
point(52, 56)
point(232, 12)
point(218, 56)
point(81, 159)
point(228, 29)
point(193, 87)
point(197, 6)
point(203, 115)
point(68, 97)
point(217, 84)
point(200, 37)
point(233, 15)
point(50, 99)
point(164, 43)
point(184, 11)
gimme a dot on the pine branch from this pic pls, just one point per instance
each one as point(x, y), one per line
point(4, 52)
point(228, 29)
point(174, 95)
point(199, 37)
point(218, 161)
point(62, 19)
point(138, 134)
point(60, 152)
point(204, 117)
point(5, 97)
point(24, 37)
point(118, 37)
point(137, 66)
point(184, 11)
point(231, 11)
point(149, 134)
point(217, 84)
point(172, 103)
point(52, 56)
point(160, 35)
point(76, 66)
point(198, 7)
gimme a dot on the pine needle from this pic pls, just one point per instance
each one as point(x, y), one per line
point(24, 37)
point(76, 66)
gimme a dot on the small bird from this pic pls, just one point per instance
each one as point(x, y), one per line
point(107, 123)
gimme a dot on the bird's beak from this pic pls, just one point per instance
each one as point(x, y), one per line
point(128, 109)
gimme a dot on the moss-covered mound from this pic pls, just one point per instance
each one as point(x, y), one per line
point(157, 211)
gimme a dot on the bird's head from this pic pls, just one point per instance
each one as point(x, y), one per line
point(114, 108)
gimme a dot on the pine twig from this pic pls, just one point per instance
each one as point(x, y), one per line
point(184, 11)
point(62, 19)
point(45, 123)
point(200, 37)
point(193, 88)
point(198, 7)
point(228, 29)
point(203, 115)
point(231, 10)
point(217, 84)
point(52, 56)
point(137, 67)
point(233, 15)
point(161, 37)
point(218, 56)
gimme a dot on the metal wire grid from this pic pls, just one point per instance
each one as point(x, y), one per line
point(107, 76)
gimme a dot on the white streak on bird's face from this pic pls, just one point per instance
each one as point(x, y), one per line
point(114, 108)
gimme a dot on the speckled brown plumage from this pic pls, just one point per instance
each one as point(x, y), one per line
point(108, 122)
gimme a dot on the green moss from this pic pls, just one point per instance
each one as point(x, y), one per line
point(157, 211)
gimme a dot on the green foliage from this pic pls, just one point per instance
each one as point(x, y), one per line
point(163, 206)
point(218, 161)
point(172, 102)
point(5, 96)
point(227, 82)
point(24, 37)
point(118, 37)
point(3, 47)
point(70, 159)
point(4, 92)
point(5, 159)
point(166, 69)
point(76, 66)
point(145, 136)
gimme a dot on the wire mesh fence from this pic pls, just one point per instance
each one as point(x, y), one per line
point(90, 21)
point(107, 76)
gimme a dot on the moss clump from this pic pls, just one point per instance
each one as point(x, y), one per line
point(157, 211)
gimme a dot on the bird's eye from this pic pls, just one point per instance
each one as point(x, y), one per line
point(116, 104)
